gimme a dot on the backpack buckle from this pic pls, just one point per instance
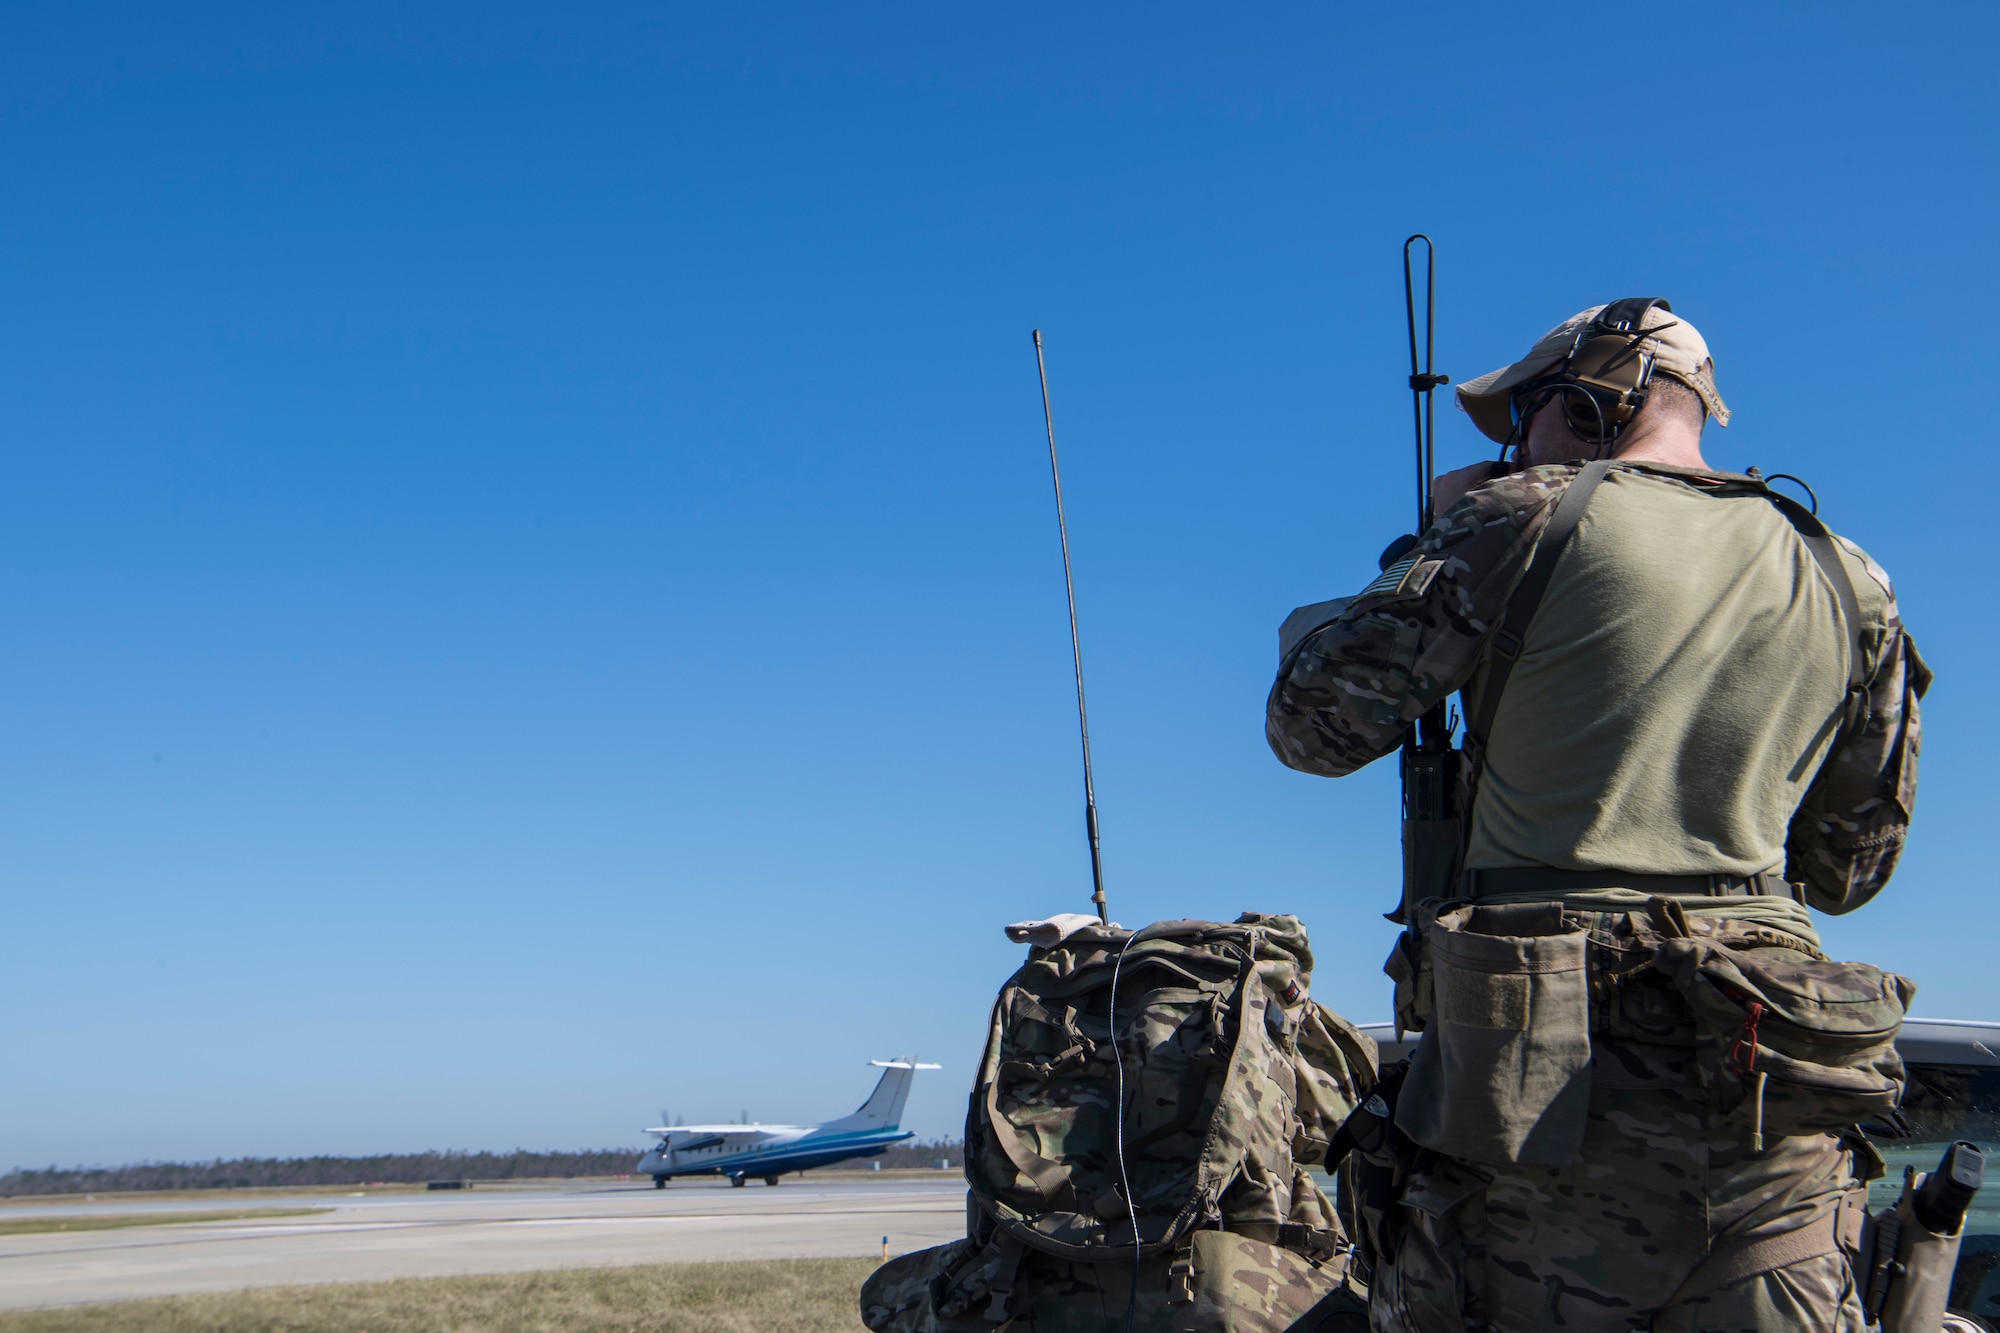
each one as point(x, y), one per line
point(1180, 1276)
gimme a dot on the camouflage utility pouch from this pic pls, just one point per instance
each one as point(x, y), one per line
point(1796, 1044)
point(1234, 1082)
point(1502, 1075)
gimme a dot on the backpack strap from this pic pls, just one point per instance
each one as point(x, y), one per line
point(1006, 1269)
point(1826, 552)
point(1513, 632)
point(1511, 637)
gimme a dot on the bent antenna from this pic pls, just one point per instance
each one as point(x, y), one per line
point(1076, 652)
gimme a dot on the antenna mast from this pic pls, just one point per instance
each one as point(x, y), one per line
point(1429, 761)
point(1423, 384)
point(1076, 652)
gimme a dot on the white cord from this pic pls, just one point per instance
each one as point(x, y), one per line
point(1124, 1181)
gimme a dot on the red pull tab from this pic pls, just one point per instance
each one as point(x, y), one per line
point(1743, 1054)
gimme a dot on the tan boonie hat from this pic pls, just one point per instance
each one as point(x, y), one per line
point(1679, 348)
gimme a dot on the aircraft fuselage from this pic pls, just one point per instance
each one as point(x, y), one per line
point(762, 1150)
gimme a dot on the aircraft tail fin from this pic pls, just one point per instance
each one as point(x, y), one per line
point(884, 1107)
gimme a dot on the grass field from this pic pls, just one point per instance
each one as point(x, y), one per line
point(787, 1296)
point(29, 1226)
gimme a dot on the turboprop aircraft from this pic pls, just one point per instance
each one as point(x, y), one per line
point(769, 1151)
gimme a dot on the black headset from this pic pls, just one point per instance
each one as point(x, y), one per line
point(1604, 380)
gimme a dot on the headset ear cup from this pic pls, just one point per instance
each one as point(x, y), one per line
point(1614, 370)
point(1585, 412)
point(1579, 410)
point(1603, 383)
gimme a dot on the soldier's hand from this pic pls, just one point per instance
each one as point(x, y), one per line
point(1449, 488)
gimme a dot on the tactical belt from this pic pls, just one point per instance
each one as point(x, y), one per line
point(1555, 883)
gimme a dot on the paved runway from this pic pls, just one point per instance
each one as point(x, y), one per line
point(482, 1231)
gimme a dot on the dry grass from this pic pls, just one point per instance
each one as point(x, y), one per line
point(787, 1296)
point(30, 1226)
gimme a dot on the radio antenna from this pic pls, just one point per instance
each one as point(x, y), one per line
point(1076, 651)
point(1429, 762)
point(1423, 384)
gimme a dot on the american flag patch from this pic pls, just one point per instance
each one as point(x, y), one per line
point(1408, 577)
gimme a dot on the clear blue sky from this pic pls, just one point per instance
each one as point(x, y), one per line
point(528, 581)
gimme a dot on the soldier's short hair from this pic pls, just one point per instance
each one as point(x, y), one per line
point(1668, 397)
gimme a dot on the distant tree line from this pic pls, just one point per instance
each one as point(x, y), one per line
point(391, 1169)
point(291, 1172)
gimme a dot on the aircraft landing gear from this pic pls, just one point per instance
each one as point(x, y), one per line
point(739, 1182)
point(770, 1180)
point(659, 1182)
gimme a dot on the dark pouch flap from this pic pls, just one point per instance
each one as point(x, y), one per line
point(1815, 1036)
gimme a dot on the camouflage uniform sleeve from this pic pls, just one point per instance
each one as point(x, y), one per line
point(1848, 833)
point(1345, 695)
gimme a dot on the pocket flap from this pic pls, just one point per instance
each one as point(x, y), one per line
point(1441, 1189)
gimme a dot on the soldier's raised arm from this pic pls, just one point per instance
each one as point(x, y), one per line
point(1348, 689)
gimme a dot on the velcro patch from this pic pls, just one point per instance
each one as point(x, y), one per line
point(1408, 577)
point(1484, 1000)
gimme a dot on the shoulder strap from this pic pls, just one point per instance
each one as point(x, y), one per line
point(1512, 634)
point(1819, 540)
point(1513, 631)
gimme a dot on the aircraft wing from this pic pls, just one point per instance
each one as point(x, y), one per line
point(715, 1129)
point(895, 1064)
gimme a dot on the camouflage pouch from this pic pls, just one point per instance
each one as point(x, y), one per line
point(1502, 1075)
point(1795, 1044)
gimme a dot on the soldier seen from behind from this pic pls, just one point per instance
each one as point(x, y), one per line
point(1690, 714)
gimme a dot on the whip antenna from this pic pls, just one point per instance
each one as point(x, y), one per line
point(1423, 384)
point(1076, 651)
point(1429, 761)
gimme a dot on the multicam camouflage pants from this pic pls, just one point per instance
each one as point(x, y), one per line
point(1601, 1244)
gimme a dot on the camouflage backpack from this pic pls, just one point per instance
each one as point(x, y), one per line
point(1233, 1081)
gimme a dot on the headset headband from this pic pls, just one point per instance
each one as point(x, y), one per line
point(1628, 315)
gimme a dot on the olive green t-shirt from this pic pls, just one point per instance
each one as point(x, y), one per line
point(1677, 690)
